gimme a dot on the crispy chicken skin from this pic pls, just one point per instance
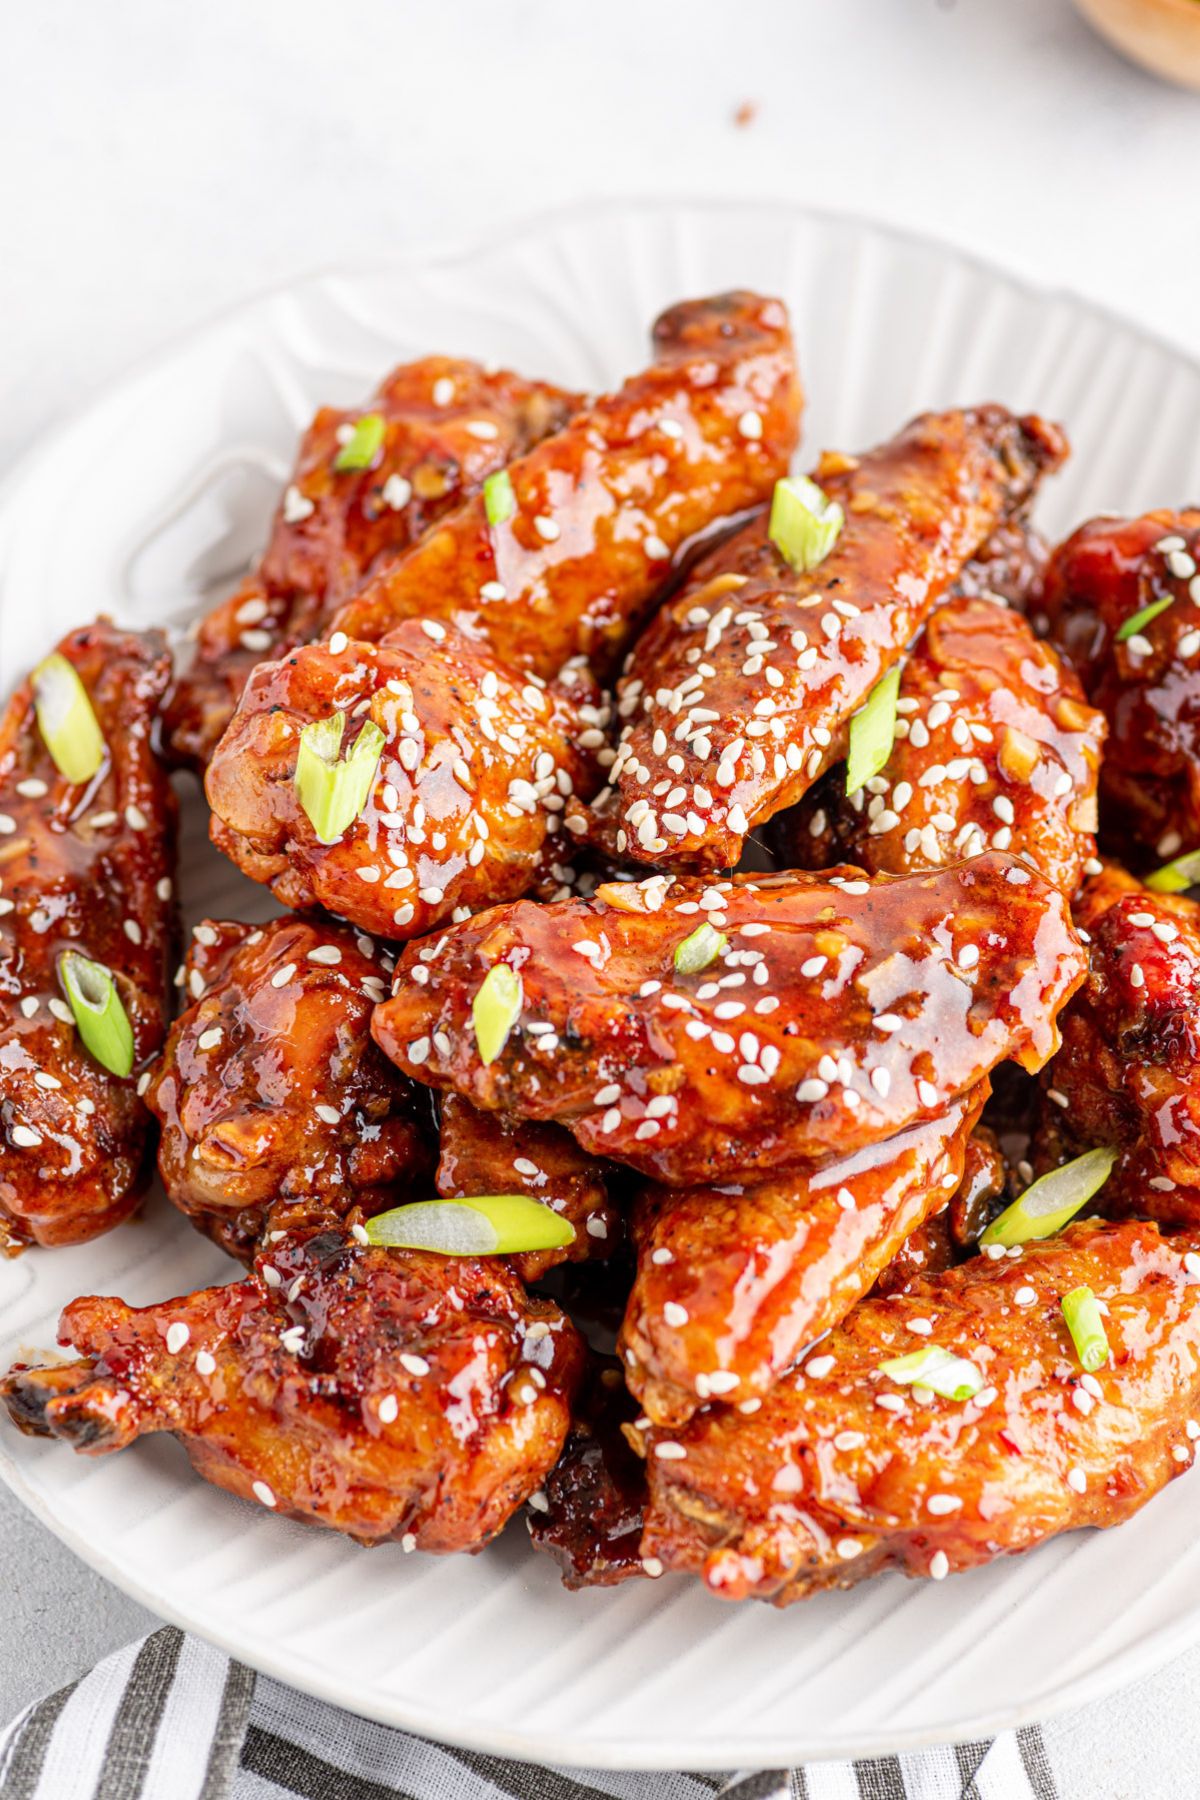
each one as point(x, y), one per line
point(85, 868)
point(733, 1281)
point(271, 1088)
point(448, 425)
point(995, 746)
point(588, 1513)
point(738, 694)
point(467, 800)
point(485, 1153)
point(381, 1393)
point(1128, 1072)
point(838, 1011)
point(1147, 686)
point(824, 1486)
point(603, 507)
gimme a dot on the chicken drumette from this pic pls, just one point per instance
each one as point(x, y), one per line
point(830, 1011)
point(485, 1153)
point(85, 868)
point(592, 519)
point(1128, 1073)
point(381, 1393)
point(271, 1089)
point(466, 803)
point(995, 747)
point(842, 1472)
point(733, 1281)
point(1137, 576)
point(425, 442)
point(739, 694)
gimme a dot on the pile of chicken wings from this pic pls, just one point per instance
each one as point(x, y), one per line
point(774, 888)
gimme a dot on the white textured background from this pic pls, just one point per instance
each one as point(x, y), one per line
point(159, 161)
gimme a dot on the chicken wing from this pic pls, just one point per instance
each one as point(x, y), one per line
point(833, 1011)
point(739, 693)
point(270, 1087)
point(381, 1393)
point(945, 1238)
point(1097, 583)
point(484, 1153)
point(596, 514)
point(995, 746)
point(1128, 1073)
point(843, 1473)
point(733, 1281)
point(466, 803)
point(351, 508)
point(588, 1513)
point(1010, 566)
point(87, 868)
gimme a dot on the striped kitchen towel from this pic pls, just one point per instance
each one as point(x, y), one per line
point(175, 1719)
point(171, 1718)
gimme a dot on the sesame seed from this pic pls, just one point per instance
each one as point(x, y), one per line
point(281, 977)
point(1077, 1479)
point(25, 1138)
point(848, 1548)
point(206, 1362)
point(939, 1565)
point(262, 1492)
point(208, 1040)
point(750, 425)
point(296, 506)
point(328, 1114)
point(1025, 1296)
point(817, 1367)
point(546, 528)
point(669, 1452)
point(396, 492)
point(1181, 1453)
point(675, 1314)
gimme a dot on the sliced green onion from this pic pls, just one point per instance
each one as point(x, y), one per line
point(805, 524)
point(66, 720)
point(1134, 623)
point(953, 1377)
point(496, 1009)
point(1081, 1310)
point(499, 501)
point(1176, 877)
point(1052, 1201)
point(363, 445)
point(484, 1225)
point(700, 950)
point(873, 732)
point(101, 1019)
point(333, 792)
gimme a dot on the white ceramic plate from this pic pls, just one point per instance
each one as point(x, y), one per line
point(150, 503)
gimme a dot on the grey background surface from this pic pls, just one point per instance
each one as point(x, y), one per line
point(160, 162)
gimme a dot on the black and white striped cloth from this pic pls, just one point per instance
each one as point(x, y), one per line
point(171, 1718)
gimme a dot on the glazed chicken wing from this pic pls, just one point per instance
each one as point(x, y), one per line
point(271, 1088)
point(843, 1473)
point(1128, 1073)
point(485, 1153)
point(588, 1513)
point(1010, 566)
point(945, 1238)
point(1100, 582)
point(739, 693)
point(594, 516)
point(383, 1394)
point(85, 868)
point(425, 442)
point(995, 746)
point(466, 804)
point(733, 1281)
point(833, 1011)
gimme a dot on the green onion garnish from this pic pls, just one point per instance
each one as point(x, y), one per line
point(1134, 623)
point(499, 501)
point(805, 524)
point(1081, 1310)
point(333, 792)
point(1176, 877)
point(873, 732)
point(65, 719)
point(496, 1009)
point(1052, 1201)
point(101, 1019)
point(700, 950)
point(484, 1225)
point(953, 1377)
point(363, 445)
